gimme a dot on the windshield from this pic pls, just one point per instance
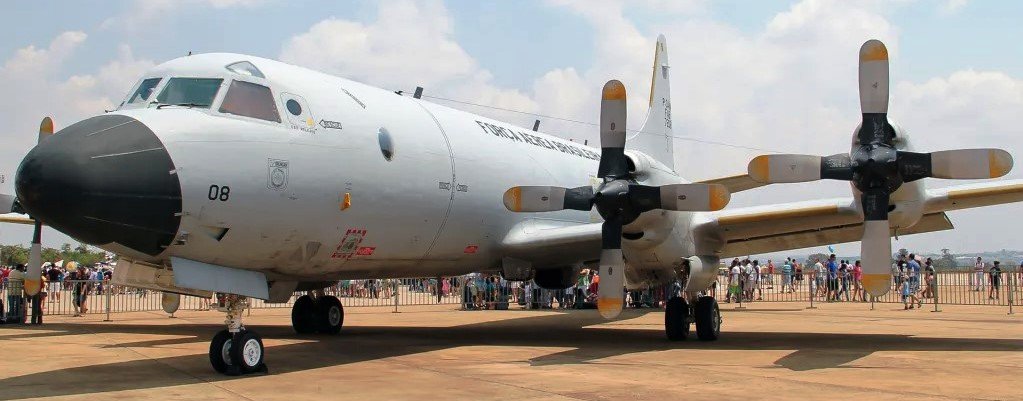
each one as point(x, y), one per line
point(144, 91)
point(250, 100)
point(192, 92)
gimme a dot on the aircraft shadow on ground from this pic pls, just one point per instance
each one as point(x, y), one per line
point(367, 343)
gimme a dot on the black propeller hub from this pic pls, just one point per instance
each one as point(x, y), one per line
point(612, 200)
point(876, 166)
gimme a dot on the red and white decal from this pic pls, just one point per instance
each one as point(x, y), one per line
point(365, 250)
point(349, 244)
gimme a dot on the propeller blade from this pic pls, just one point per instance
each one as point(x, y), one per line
point(34, 272)
point(876, 244)
point(690, 197)
point(772, 169)
point(612, 131)
point(874, 94)
point(960, 164)
point(547, 198)
point(783, 168)
point(45, 128)
point(610, 294)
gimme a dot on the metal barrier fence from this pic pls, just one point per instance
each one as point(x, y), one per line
point(474, 292)
point(949, 288)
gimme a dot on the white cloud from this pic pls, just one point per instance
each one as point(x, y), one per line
point(31, 78)
point(142, 13)
point(409, 44)
point(950, 7)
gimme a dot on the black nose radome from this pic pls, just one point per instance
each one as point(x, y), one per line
point(107, 179)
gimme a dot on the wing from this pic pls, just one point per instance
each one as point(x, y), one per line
point(773, 228)
point(976, 195)
point(735, 183)
point(552, 243)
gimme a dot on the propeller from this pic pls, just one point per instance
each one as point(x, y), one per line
point(33, 280)
point(877, 168)
point(619, 198)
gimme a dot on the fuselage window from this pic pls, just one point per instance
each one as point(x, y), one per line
point(192, 92)
point(250, 100)
point(294, 108)
point(386, 145)
point(144, 91)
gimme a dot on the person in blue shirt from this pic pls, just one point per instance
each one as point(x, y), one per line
point(832, 278)
point(913, 269)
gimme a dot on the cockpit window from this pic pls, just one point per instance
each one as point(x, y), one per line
point(144, 91)
point(192, 92)
point(245, 68)
point(250, 100)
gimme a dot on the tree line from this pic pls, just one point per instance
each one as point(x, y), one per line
point(11, 255)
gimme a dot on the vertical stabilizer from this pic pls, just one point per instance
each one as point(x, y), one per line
point(655, 138)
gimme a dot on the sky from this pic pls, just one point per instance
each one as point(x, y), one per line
point(773, 75)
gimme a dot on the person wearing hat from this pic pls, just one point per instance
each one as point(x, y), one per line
point(15, 297)
point(995, 274)
point(80, 290)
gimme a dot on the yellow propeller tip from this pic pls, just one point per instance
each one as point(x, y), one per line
point(609, 308)
point(719, 197)
point(999, 162)
point(513, 199)
point(873, 50)
point(613, 90)
point(46, 126)
point(759, 168)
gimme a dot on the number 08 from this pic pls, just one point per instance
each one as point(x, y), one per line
point(221, 193)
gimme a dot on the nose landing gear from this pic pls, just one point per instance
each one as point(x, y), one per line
point(236, 351)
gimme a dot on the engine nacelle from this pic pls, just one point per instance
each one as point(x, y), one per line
point(696, 274)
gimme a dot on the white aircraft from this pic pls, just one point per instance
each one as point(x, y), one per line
point(250, 177)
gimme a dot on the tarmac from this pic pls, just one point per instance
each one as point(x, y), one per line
point(767, 351)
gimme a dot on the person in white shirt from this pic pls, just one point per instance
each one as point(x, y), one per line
point(818, 278)
point(978, 275)
point(733, 282)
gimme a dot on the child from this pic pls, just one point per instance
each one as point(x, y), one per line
point(904, 288)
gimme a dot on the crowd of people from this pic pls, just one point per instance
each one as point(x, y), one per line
point(79, 280)
point(914, 279)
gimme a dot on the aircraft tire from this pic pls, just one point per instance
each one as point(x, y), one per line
point(247, 352)
point(676, 319)
point(220, 356)
point(330, 315)
point(708, 319)
point(303, 315)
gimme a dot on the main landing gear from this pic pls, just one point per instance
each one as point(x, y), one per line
point(323, 314)
point(703, 311)
point(236, 351)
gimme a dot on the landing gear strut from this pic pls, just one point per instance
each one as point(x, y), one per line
point(323, 314)
point(678, 314)
point(236, 351)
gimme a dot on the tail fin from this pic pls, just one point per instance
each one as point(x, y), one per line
point(655, 138)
